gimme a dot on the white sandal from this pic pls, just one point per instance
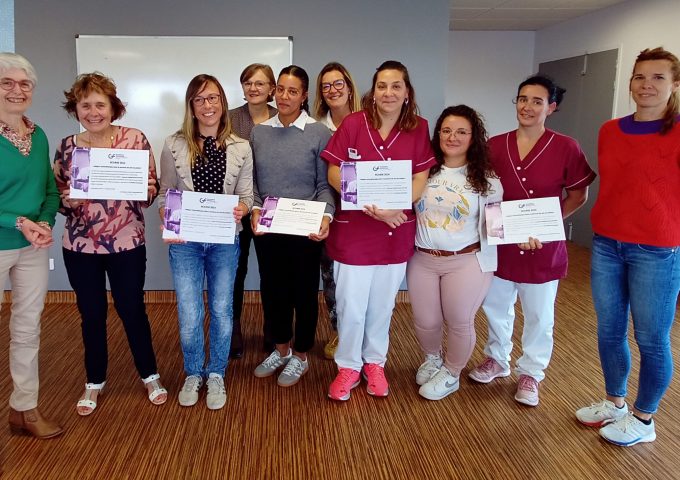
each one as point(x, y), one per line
point(87, 402)
point(157, 391)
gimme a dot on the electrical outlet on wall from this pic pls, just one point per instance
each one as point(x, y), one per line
point(51, 263)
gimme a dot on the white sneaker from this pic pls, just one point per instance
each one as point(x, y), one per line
point(429, 368)
point(217, 394)
point(440, 386)
point(188, 396)
point(600, 414)
point(272, 363)
point(294, 370)
point(627, 431)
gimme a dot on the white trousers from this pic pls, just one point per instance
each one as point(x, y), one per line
point(365, 296)
point(27, 270)
point(538, 307)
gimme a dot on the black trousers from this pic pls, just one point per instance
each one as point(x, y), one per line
point(87, 274)
point(244, 238)
point(289, 285)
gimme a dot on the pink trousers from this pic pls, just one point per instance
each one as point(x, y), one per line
point(446, 290)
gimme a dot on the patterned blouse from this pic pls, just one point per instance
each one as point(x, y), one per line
point(103, 226)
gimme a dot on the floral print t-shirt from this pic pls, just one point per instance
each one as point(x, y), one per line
point(447, 212)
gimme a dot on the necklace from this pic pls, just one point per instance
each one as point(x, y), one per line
point(92, 143)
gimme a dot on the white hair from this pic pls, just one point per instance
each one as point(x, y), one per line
point(9, 60)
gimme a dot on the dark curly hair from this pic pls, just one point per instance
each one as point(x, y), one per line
point(478, 161)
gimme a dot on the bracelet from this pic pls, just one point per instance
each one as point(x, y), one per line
point(45, 224)
point(19, 223)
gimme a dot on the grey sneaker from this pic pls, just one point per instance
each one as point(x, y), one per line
point(428, 369)
point(440, 386)
point(188, 396)
point(217, 394)
point(295, 369)
point(272, 363)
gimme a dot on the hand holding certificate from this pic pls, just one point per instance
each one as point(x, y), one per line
point(519, 220)
point(109, 174)
point(199, 217)
point(385, 184)
point(290, 216)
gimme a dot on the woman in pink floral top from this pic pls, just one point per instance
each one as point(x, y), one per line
point(105, 238)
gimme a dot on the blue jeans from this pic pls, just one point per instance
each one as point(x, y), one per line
point(643, 280)
point(191, 262)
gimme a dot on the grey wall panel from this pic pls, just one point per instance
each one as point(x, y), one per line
point(588, 103)
point(357, 33)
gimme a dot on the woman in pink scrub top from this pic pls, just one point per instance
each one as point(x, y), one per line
point(532, 162)
point(370, 247)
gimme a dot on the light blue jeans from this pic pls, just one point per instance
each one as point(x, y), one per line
point(643, 280)
point(191, 262)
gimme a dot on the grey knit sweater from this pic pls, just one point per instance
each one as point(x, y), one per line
point(287, 163)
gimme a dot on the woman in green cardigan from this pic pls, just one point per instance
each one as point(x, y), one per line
point(29, 201)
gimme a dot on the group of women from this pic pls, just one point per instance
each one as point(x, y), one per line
point(257, 151)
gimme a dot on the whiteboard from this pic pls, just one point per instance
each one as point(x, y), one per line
point(152, 73)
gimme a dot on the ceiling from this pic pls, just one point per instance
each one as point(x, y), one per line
point(519, 14)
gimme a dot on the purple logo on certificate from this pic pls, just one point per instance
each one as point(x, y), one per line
point(173, 210)
point(80, 169)
point(267, 211)
point(348, 182)
point(494, 220)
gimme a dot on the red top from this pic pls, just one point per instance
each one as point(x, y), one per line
point(639, 197)
point(555, 163)
point(355, 238)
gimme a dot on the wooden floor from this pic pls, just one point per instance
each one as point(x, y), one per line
point(268, 432)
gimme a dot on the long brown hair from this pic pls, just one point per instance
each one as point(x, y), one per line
point(190, 125)
point(408, 117)
point(479, 167)
point(673, 107)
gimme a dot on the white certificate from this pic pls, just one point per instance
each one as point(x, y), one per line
point(199, 217)
point(386, 184)
point(290, 216)
point(109, 174)
point(517, 220)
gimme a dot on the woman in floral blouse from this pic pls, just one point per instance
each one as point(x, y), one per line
point(105, 238)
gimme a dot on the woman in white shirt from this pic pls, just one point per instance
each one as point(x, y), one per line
point(451, 271)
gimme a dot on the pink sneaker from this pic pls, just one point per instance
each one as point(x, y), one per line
point(375, 377)
point(527, 391)
point(343, 384)
point(488, 370)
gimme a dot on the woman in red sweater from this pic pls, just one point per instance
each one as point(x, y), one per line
point(636, 253)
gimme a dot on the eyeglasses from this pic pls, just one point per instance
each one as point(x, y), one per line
point(522, 101)
point(258, 85)
point(212, 100)
point(24, 85)
point(337, 84)
point(292, 92)
point(460, 132)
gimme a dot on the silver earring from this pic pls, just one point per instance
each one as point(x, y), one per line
point(406, 102)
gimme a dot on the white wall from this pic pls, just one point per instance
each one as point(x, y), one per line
point(485, 69)
point(631, 26)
